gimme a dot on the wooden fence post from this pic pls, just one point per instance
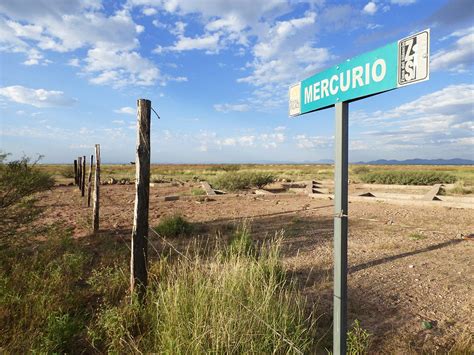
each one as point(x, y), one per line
point(75, 171)
point(95, 208)
point(79, 172)
point(83, 178)
point(139, 248)
point(89, 182)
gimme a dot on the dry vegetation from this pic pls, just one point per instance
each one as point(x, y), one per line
point(228, 291)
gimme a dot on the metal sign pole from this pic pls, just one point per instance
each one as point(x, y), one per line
point(340, 228)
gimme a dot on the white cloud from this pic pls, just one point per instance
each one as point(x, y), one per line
point(460, 56)
point(126, 110)
point(263, 140)
point(283, 55)
point(149, 11)
point(370, 8)
point(231, 107)
point(36, 97)
point(442, 118)
point(74, 62)
point(313, 142)
point(403, 2)
point(65, 26)
point(120, 68)
point(210, 43)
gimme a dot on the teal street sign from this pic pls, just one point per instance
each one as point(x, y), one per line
point(394, 65)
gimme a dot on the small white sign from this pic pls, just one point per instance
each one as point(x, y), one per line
point(295, 100)
point(414, 59)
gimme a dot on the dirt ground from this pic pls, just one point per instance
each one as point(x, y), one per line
point(407, 264)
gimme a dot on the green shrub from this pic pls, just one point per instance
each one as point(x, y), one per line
point(408, 177)
point(60, 334)
point(198, 192)
point(41, 296)
point(358, 340)
point(416, 236)
point(20, 180)
point(174, 226)
point(234, 181)
point(360, 169)
point(109, 281)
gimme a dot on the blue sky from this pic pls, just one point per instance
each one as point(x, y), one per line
point(218, 73)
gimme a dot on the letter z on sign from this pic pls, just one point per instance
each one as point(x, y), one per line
point(413, 58)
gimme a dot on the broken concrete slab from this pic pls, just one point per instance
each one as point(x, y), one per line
point(431, 195)
point(209, 190)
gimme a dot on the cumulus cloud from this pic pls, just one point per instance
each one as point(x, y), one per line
point(284, 55)
point(370, 8)
point(36, 97)
point(149, 11)
point(34, 27)
point(443, 117)
point(126, 110)
point(459, 56)
point(119, 68)
point(210, 43)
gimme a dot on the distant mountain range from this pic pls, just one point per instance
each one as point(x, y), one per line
point(455, 161)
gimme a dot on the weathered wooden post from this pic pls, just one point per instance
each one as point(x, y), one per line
point(83, 178)
point(79, 172)
point(139, 249)
point(89, 182)
point(95, 208)
point(75, 171)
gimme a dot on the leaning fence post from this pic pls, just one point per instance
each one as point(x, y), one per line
point(79, 172)
point(83, 178)
point(95, 208)
point(75, 171)
point(139, 248)
point(89, 182)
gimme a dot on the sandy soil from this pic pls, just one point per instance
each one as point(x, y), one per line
point(407, 264)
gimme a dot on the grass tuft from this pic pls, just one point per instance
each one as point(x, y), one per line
point(460, 188)
point(198, 192)
point(358, 340)
point(236, 304)
point(417, 236)
point(174, 226)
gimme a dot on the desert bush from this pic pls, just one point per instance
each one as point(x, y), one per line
point(67, 172)
point(20, 180)
point(174, 226)
point(224, 167)
point(460, 188)
point(408, 177)
point(360, 169)
point(233, 181)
